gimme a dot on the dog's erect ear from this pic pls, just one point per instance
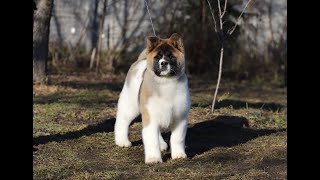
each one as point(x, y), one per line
point(152, 43)
point(176, 41)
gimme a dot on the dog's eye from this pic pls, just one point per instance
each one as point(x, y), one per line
point(157, 57)
point(172, 57)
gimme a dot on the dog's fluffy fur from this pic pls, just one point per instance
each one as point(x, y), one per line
point(157, 87)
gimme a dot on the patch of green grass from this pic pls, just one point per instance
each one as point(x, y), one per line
point(201, 100)
point(84, 97)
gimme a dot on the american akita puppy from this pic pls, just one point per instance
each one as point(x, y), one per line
point(157, 87)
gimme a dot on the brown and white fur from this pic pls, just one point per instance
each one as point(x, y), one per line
point(157, 87)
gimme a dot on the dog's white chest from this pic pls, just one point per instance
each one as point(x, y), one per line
point(161, 110)
point(168, 103)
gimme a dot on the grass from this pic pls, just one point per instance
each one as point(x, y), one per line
point(246, 137)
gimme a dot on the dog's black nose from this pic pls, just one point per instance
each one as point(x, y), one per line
point(164, 63)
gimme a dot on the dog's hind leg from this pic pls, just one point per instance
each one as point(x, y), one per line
point(128, 105)
point(127, 111)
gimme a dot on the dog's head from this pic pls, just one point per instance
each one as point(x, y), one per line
point(166, 56)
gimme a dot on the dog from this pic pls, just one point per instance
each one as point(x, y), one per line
point(156, 86)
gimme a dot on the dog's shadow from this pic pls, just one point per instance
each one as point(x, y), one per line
point(222, 131)
point(105, 126)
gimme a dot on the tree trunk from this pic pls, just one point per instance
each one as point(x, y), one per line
point(94, 24)
point(200, 65)
point(101, 28)
point(41, 39)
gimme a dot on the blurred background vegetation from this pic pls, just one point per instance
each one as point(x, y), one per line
point(113, 32)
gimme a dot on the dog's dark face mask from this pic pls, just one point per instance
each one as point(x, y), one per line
point(166, 56)
point(165, 62)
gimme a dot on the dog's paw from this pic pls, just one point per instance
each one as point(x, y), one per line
point(126, 143)
point(163, 146)
point(179, 155)
point(153, 160)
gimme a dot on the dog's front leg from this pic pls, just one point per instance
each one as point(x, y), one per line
point(150, 137)
point(177, 139)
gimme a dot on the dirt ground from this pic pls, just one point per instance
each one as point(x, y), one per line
point(73, 138)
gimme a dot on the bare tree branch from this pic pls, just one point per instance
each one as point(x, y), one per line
point(219, 78)
point(221, 38)
point(220, 16)
point(238, 20)
point(225, 7)
point(212, 13)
